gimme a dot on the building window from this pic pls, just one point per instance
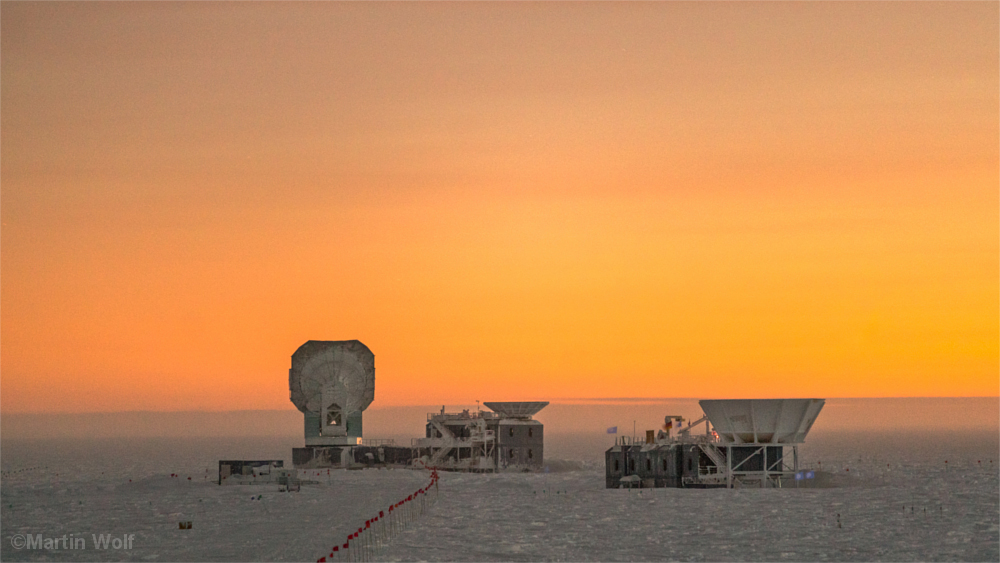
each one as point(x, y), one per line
point(664, 464)
point(512, 453)
point(649, 465)
point(333, 417)
point(690, 467)
point(616, 466)
point(511, 430)
point(530, 433)
point(530, 455)
point(631, 465)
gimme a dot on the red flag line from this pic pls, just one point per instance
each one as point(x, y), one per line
point(379, 530)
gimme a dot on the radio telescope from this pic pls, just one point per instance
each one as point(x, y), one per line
point(332, 383)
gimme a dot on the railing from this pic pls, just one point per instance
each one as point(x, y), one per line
point(376, 442)
point(475, 440)
point(628, 441)
point(462, 415)
point(694, 439)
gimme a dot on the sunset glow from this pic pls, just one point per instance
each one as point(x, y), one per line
point(503, 201)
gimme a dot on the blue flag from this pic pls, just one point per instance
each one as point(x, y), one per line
point(613, 430)
point(798, 476)
point(810, 475)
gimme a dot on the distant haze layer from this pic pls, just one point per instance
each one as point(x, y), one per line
point(591, 417)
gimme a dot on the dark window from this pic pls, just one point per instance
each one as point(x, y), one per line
point(530, 433)
point(333, 415)
point(512, 453)
point(631, 465)
point(511, 429)
point(689, 464)
point(664, 464)
point(649, 465)
point(530, 455)
point(616, 466)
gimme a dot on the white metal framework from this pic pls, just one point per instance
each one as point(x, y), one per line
point(757, 431)
point(472, 452)
point(744, 445)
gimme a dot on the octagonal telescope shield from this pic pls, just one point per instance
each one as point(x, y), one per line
point(341, 371)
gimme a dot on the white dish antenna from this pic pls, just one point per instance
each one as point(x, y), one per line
point(762, 421)
point(516, 409)
point(332, 378)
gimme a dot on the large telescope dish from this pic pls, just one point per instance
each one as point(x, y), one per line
point(516, 409)
point(770, 421)
point(340, 372)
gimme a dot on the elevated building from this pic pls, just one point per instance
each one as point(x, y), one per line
point(745, 444)
point(506, 439)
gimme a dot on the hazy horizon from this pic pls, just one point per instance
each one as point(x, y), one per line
point(560, 400)
point(883, 414)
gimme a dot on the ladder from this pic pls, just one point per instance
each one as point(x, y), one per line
point(715, 455)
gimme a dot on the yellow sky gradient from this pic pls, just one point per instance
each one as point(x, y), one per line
point(503, 201)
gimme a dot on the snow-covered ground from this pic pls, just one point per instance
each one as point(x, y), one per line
point(570, 517)
point(232, 523)
point(895, 498)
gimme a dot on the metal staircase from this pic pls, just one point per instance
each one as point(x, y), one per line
point(715, 455)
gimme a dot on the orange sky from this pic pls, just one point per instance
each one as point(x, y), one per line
point(516, 201)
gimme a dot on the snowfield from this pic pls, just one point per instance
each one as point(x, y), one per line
point(893, 505)
point(228, 523)
point(570, 517)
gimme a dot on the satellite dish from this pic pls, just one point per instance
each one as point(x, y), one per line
point(332, 379)
point(516, 409)
point(771, 421)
